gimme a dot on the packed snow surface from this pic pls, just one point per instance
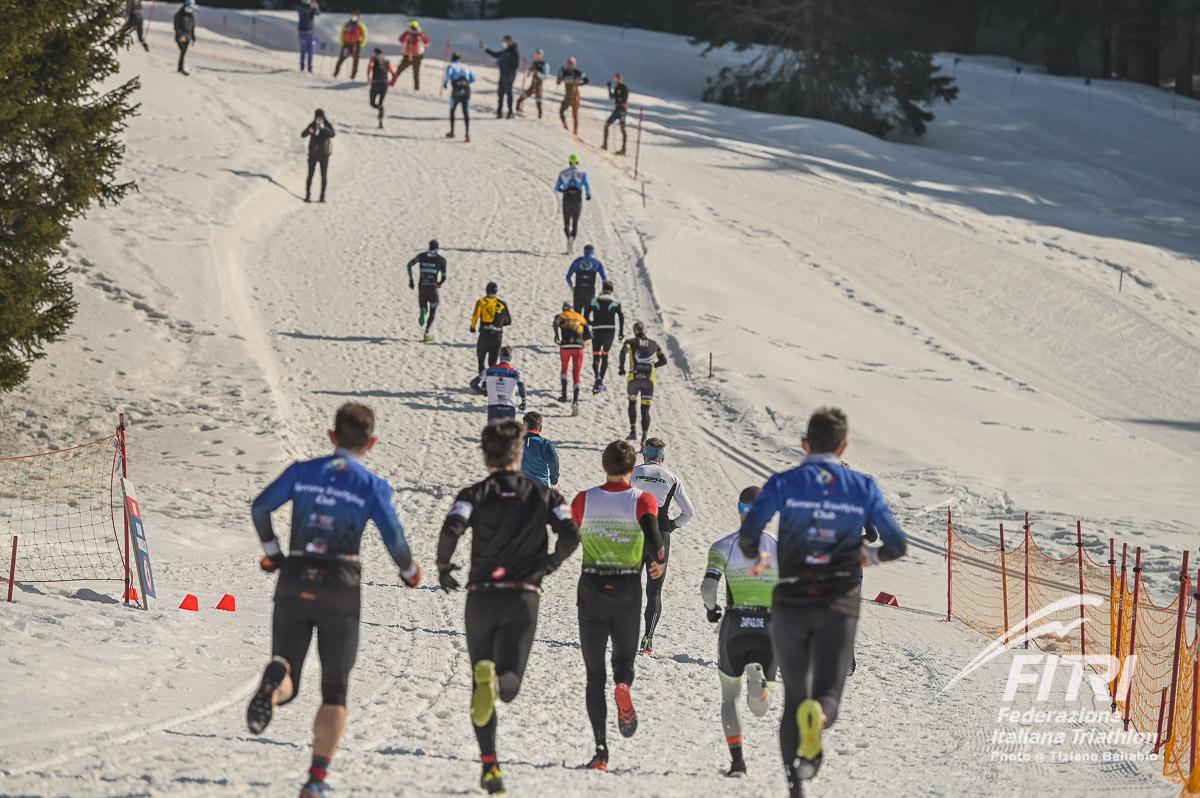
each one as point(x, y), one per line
point(1007, 310)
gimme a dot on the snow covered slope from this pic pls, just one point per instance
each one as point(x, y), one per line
point(957, 297)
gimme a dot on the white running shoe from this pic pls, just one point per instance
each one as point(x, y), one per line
point(758, 695)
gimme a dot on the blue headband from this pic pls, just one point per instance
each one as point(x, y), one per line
point(654, 453)
point(744, 507)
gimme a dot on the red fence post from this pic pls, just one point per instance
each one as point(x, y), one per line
point(949, 559)
point(1027, 580)
point(1004, 581)
point(1137, 587)
point(1183, 600)
point(1120, 633)
point(1082, 609)
point(12, 569)
point(637, 153)
point(1158, 736)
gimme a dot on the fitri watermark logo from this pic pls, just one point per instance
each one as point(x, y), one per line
point(1083, 726)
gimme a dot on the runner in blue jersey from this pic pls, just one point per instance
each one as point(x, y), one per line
point(333, 498)
point(581, 278)
point(573, 184)
point(822, 506)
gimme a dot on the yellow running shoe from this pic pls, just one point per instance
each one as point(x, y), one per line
point(811, 721)
point(483, 698)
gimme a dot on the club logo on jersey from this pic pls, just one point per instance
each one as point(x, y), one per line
point(818, 559)
point(822, 534)
point(753, 622)
point(316, 546)
point(825, 477)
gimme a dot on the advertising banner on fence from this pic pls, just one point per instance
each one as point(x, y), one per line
point(141, 546)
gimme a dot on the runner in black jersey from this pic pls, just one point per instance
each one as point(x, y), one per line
point(606, 319)
point(333, 498)
point(431, 277)
point(645, 355)
point(508, 514)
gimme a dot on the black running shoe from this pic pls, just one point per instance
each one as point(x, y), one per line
point(737, 769)
point(262, 703)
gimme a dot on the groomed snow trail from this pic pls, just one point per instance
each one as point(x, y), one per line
point(300, 307)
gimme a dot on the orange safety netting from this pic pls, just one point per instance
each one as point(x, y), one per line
point(994, 590)
point(62, 509)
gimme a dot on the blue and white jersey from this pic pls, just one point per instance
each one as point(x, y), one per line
point(822, 506)
point(573, 179)
point(504, 385)
point(584, 270)
point(332, 498)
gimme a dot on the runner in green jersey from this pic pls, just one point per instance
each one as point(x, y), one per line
point(744, 645)
point(618, 526)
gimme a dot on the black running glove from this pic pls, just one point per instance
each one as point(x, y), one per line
point(272, 563)
point(446, 577)
point(410, 284)
point(714, 614)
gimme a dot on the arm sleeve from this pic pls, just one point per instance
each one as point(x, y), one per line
point(552, 462)
point(272, 498)
point(621, 359)
point(571, 274)
point(390, 528)
point(761, 513)
point(456, 523)
point(686, 511)
point(492, 53)
point(329, 126)
point(477, 313)
point(586, 185)
point(578, 505)
point(521, 389)
point(442, 272)
point(662, 358)
point(411, 263)
point(712, 576)
point(655, 549)
point(566, 530)
point(558, 184)
point(307, 131)
point(895, 544)
point(600, 269)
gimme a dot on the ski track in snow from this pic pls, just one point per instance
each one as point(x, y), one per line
point(252, 315)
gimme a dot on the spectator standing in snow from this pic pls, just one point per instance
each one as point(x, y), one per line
point(320, 135)
point(185, 30)
point(353, 38)
point(508, 59)
point(414, 41)
point(306, 30)
point(135, 22)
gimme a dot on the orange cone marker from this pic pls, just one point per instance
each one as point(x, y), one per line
point(190, 603)
point(227, 603)
point(131, 595)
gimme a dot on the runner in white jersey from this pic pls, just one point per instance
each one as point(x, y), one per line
point(667, 489)
point(744, 645)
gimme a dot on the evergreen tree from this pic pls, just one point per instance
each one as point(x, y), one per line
point(863, 63)
point(59, 151)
